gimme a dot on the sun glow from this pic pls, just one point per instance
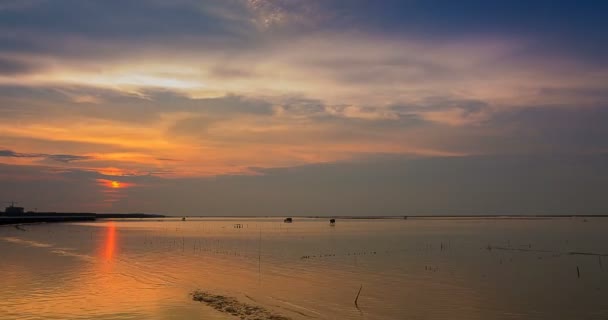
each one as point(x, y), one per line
point(113, 184)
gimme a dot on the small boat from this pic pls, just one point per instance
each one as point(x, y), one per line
point(332, 221)
point(288, 220)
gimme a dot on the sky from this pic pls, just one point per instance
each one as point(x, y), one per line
point(312, 107)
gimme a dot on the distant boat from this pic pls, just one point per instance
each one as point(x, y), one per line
point(332, 221)
point(183, 218)
point(288, 220)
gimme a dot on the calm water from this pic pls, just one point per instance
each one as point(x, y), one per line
point(408, 269)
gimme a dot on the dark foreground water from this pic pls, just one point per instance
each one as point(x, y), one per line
point(408, 269)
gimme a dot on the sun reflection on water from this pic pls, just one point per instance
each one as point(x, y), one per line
point(110, 242)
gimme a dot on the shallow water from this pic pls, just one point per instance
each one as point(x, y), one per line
point(407, 269)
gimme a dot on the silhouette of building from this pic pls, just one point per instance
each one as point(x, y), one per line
point(10, 210)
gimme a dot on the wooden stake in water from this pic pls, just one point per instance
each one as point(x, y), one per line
point(357, 298)
point(578, 272)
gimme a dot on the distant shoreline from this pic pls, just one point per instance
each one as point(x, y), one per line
point(54, 217)
point(507, 216)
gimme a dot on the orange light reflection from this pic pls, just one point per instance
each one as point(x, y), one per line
point(110, 242)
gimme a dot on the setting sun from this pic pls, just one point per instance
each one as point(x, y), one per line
point(113, 184)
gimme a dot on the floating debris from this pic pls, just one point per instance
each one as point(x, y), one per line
point(234, 307)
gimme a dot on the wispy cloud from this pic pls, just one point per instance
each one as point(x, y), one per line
point(227, 86)
point(65, 158)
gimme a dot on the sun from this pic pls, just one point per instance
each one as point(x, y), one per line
point(114, 184)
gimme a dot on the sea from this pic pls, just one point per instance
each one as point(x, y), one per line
point(416, 268)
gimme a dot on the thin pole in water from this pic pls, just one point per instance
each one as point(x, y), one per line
point(357, 298)
point(578, 272)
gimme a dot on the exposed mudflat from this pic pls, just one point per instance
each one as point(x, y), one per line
point(234, 307)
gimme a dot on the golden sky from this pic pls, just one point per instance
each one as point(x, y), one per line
point(202, 89)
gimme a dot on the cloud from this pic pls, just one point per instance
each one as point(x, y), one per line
point(228, 135)
point(11, 67)
point(9, 153)
point(373, 185)
point(64, 190)
point(65, 158)
point(130, 20)
point(455, 116)
point(270, 14)
point(117, 88)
